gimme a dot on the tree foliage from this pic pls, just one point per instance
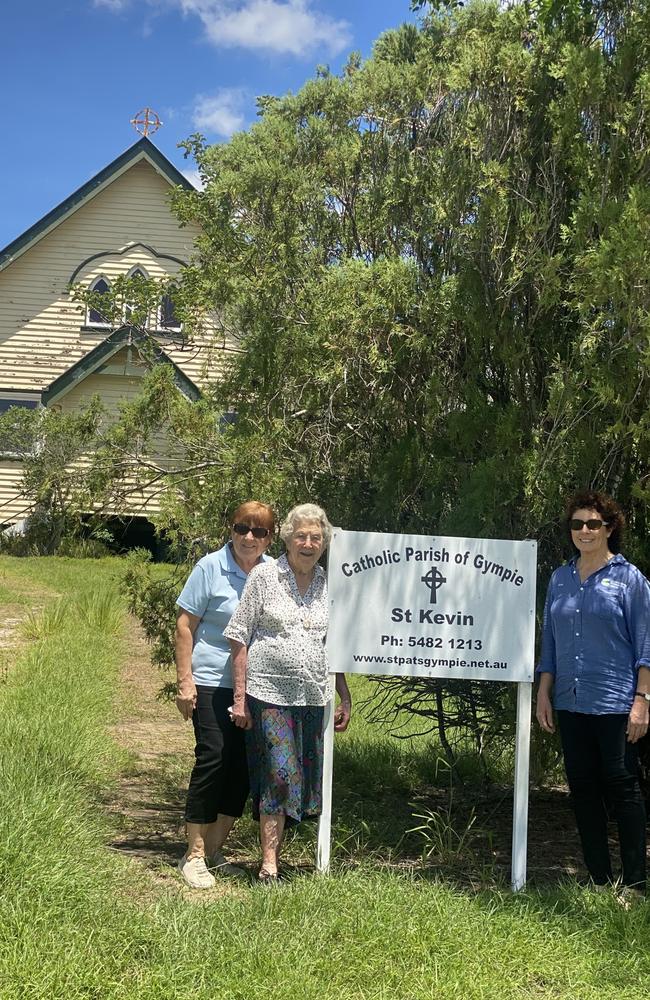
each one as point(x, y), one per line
point(49, 444)
point(437, 268)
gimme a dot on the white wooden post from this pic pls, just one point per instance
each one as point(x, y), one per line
point(520, 803)
point(325, 821)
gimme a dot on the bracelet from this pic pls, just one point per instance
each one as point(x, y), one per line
point(642, 694)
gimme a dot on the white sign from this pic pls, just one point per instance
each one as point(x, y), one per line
point(415, 605)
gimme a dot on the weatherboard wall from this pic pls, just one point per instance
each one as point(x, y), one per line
point(114, 389)
point(13, 506)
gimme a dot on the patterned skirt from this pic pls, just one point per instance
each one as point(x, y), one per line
point(285, 760)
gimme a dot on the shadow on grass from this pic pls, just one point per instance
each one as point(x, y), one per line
point(380, 790)
point(147, 811)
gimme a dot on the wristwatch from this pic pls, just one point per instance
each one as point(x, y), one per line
point(642, 694)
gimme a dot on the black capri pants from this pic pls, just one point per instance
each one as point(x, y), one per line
point(219, 779)
point(602, 767)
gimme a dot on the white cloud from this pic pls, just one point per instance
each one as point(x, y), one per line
point(282, 26)
point(194, 177)
point(222, 113)
point(113, 5)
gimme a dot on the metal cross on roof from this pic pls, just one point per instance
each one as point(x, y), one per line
point(146, 122)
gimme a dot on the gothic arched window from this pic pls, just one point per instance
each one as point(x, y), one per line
point(95, 317)
point(129, 308)
point(168, 320)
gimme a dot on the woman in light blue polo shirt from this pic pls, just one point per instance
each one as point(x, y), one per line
point(596, 659)
point(218, 786)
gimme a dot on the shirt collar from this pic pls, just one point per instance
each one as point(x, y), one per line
point(614, 561)
point(231, 564)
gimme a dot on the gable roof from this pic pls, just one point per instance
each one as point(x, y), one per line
point(102, 352)
point(143, 149)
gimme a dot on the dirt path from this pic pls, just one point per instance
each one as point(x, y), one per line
point(11, 640)
point(149, 798)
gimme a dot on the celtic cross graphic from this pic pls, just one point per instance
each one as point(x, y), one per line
point(434, 580)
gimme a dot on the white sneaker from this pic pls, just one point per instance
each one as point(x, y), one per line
point(628, 896)
point(218, 863)
point(196, 873)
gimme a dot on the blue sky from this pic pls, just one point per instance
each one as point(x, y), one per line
point(76, 71)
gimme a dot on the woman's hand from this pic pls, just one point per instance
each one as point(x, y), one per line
point(240, 714)
point(186, 697)
point(544, 709)
point(344, 708)
point(637, 723)
point(342, 714)
point(544, 713)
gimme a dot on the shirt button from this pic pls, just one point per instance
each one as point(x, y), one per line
point(578, 634)
point(577, 657)
point(581, 589)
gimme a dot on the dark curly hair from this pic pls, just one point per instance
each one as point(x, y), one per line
point(606, 506)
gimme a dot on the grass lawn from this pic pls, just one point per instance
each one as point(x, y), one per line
point(81, 920)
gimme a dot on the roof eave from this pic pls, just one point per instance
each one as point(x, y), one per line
point(143, 149)
point(102, 352)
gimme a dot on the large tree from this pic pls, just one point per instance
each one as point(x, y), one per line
point(436, 265)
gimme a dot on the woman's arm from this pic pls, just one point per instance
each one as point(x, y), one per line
point(546, 668)
point(637, 616)
point(239, 632)
point(637, 723)
point(344, 707)
point(186, 625)
point(240, 714)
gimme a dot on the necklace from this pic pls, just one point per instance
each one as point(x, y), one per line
point(585, 571)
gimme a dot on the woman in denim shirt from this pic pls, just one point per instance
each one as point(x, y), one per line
point(596, 660)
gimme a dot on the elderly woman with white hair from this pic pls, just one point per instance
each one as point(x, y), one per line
point(280, 680)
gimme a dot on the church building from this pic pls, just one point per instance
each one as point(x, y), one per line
point(56, 352)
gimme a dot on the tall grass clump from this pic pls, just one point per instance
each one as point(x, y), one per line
point(101, 609)
point(56, 761)
point(48, 622)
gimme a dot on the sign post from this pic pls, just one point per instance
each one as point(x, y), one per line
point(439, 607)
point(520, 802)
point(323, 848)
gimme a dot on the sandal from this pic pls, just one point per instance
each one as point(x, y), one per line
point(267, 877)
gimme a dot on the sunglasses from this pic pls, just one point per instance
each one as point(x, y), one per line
point(243, 529)
point(594, 524)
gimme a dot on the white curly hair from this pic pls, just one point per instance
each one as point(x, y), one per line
point(305, 512)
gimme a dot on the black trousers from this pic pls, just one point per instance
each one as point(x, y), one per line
point(602, 767)
point(219, 779)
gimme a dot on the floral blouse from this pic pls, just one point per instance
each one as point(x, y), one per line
point(285, 634)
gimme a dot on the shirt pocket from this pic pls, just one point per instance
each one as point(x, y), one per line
point(607, 603)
